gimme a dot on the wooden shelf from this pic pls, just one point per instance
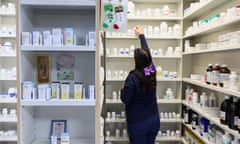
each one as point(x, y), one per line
point(58, 103)
point(204, 8)
point(213, 119)
point(215, 28)
point(59, 48)
point(211, 87)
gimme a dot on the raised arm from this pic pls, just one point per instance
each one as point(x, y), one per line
point(142, 38)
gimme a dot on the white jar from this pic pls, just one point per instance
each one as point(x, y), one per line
point(169, 92)
point(233, 80)
point(177, 29)
point(163, 28)
point(195, 98)
point(212, 100)
point(203, 100)
point(166, 10)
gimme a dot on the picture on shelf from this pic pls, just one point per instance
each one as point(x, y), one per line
point(58, 127)
point(65, 67)
point(43, 69)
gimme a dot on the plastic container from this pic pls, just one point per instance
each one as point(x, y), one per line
point(208, 74)
point(163, 28)
point(233, 80)
point(166, 10)
point(212, 100)
point(203, 100)
point(195, 98)
point(204, 126)
point(224, 75)
point(215, 74)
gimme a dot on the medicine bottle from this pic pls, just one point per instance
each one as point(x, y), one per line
point(224, 75)
point(208, 74)
point(215, 74)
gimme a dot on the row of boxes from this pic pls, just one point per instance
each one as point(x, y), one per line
point(56, 37)
point(56, 90)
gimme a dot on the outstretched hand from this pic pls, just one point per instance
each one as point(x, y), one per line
point(138, 30)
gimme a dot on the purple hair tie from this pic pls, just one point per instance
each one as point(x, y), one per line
point(148, 70)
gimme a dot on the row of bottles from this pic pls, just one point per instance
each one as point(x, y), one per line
point(192, 97)
point(221, 76)
point(230, 112)
point(207, 129)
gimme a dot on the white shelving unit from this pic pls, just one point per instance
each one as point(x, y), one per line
point(36, 115)
point(115, 62)
point(8, 66)
point(195, 62)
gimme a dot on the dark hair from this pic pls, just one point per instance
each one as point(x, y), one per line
point(143, 59)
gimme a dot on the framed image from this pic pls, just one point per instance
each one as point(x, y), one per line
point(58, 127)
point(43, 69)
point(65, 67)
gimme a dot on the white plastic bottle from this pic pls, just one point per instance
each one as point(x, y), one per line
point(187, 93)
point(131, 8)
point(169, 93)
point(195, 98)
point(163, 28)
point(159, 71)
point(166, 10)
point(212, 100)
point(177, 30)
point(203, 100)
point(233, 80)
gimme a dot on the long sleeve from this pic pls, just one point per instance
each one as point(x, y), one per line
point(143, 41)
point(128, 90)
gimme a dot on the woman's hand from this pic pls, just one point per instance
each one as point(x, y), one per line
point(138, 30)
